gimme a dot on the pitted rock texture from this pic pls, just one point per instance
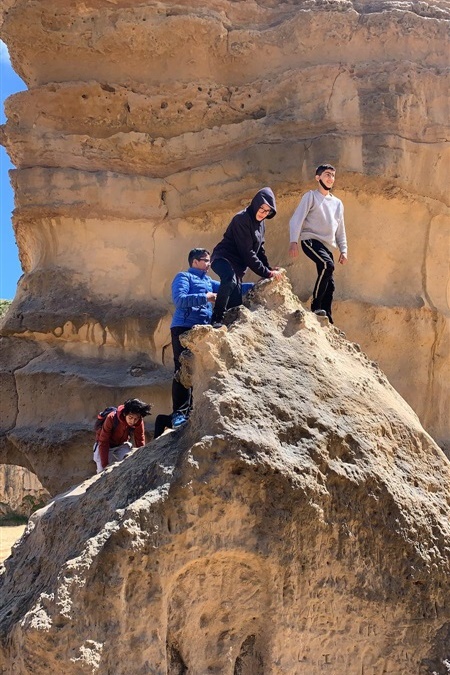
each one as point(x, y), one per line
point(298, 523)
point(147, 125)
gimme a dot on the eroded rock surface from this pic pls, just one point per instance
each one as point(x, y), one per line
point(298, 523)
point(147, 125)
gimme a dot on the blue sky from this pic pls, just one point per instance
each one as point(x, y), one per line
point(10, 269)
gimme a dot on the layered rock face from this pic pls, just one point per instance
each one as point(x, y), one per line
point(298, 524)
point(147, 125)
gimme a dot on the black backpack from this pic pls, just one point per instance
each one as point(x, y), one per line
point(101, 417)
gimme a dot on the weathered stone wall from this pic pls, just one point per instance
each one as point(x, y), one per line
point(147, 125)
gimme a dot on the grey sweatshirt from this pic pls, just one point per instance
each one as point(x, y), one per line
point(319, 217)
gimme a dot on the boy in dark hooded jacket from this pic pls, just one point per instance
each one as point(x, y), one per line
point(242, 246)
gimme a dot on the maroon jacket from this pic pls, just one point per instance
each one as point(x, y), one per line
point(111, 435)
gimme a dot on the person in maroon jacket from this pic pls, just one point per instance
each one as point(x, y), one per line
point(113, 437)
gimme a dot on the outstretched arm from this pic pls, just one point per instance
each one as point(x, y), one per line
point(341, 238)
point(104, 439)
point(139, 434)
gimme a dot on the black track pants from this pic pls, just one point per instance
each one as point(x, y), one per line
point(324, 286)
point(162, 423)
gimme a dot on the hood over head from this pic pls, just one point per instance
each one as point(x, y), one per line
point(264, 196)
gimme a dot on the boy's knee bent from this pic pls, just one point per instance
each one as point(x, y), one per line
point(227, 274)
point(225, 271)
point(229, 282)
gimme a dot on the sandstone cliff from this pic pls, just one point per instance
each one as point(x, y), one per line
point(299, 524)
point(148, 124)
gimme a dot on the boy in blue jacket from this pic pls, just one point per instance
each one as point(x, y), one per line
point(193, 292)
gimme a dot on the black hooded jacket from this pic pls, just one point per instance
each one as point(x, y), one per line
point(243, 242)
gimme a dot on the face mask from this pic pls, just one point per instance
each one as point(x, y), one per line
point(325, 187)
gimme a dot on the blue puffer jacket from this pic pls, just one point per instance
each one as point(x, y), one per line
point(189, 291)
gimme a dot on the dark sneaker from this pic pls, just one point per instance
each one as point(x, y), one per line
point(178, 418)
point(217, 324)
point(320, 312)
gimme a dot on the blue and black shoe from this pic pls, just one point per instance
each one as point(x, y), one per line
point(178, 419)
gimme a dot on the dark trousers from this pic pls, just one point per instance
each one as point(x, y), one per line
point(181, 397)
point(162, 422)
point(324, 286)
point(230, 290)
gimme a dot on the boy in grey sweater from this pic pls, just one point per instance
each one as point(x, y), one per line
point(319, 221)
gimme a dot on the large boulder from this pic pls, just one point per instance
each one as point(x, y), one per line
point(299, 523)
point(147, 125)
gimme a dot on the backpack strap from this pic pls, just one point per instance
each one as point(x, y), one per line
point(115, 421)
